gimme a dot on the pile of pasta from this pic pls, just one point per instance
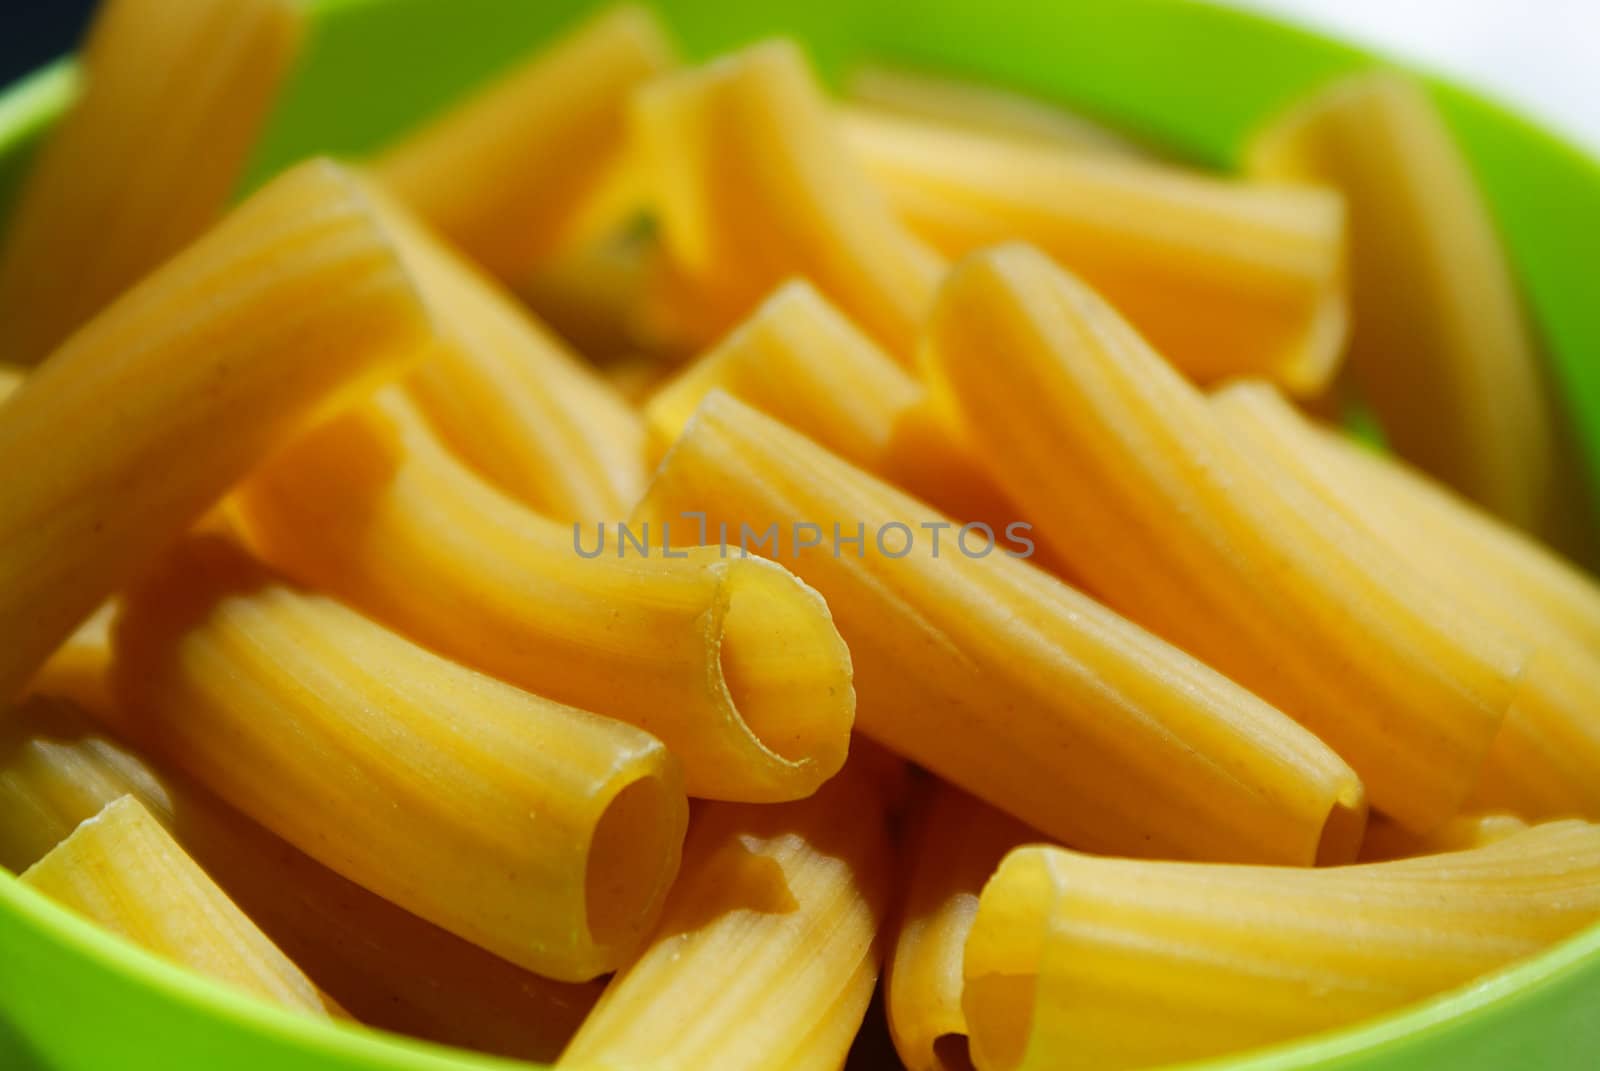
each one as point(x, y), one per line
point(321, 691)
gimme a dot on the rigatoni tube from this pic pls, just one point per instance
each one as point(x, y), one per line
point(382, 964)
point(753, 185)
point(510, 398)
point(1223, 277)
point(1440, 349)
point(122, 871)
point(295, 302)
point(172, 96)
point(1546, 583)
point(768, 951)
point(545, 834)
point(1069, 952)
point(1545, 761)
point(959, 841)
point(1005, 681)
point(506, 173)
point(1135, 484)
point(51, 778)
point(799, 359)
point(734, 664)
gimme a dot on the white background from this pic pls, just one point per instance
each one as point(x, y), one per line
point(1541, 56)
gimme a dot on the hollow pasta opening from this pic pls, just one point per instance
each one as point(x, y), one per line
point(1342, 833)
point(630, 857)
point(952, 1053)
point(784, 666)
point(1001, 1016)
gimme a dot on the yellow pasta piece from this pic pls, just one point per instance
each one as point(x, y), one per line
point(960, 841)
point(1441, 349)
point(545, 834)
point(983, 108)
point(799, 359)
point(1387, 840)
point(1006, 682)
point(11, 377)
point(1136, 485)
point(79, 669)
point(1223, 277)
point(769, 949)
point(48, 785)
point(734, 664)
point(1069, 953)
point(1545, 761)
point(295, 302)
point(1544, 582)
point(752, 185)
point(122, 871)
point(510, 398)
point(384, 965)
point(174, 93)
point(508, 173)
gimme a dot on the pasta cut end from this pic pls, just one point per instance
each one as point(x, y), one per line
point(786, 674)
point(1000, 1017)
point(633, 857)
point(1345, 828)
point(1310, 371)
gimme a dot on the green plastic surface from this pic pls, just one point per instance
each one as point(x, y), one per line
point(1193, 78)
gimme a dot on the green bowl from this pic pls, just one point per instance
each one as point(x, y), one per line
point(1193, 78)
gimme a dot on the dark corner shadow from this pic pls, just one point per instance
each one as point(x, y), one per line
point(873, 1048)
point(16, 1052)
